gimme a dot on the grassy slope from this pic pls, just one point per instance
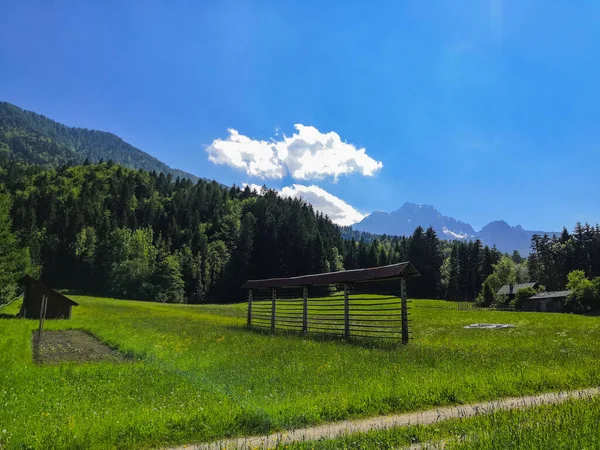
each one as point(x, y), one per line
point(201, 376)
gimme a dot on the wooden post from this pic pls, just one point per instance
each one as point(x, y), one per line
point(249, 307)
point(273, 304)
point(305, 311)
point(346, 312)
point(42, 317)
point(45, 309)
point(404, 310)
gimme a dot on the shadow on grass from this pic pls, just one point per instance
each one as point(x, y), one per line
point(9, 316)
point(365, 342)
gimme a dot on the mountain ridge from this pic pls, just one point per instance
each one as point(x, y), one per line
point(34, 138)
point(403, 221)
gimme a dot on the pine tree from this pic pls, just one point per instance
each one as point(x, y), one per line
point(351, 258)
point(373, 254)
point(432, 262)
point(362, 255)
point(416, 254)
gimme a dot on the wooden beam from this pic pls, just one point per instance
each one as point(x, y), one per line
point(305, 310)
point(405, 335)
point(249, 307)
point(42, 317)
point(346, 312)
point(273, 305)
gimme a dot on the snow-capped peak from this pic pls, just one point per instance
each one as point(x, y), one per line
point(454, 235)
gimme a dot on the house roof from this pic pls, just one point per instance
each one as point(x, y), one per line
point(509, 289)
point(404, 269)
point(555, 294)
point(26, 280)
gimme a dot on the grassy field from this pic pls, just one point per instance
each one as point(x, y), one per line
point(572, 425)
point(196, 374)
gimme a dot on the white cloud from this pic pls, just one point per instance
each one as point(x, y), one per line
point(307, 154)
point(257, 158)
point(337, 209)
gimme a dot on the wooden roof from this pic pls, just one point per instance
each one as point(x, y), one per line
point(404, 269)
point(509, 289)
point(26, 280)
point(555, 294)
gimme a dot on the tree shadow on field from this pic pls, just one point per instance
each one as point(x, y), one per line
point(9, 316)
point(364, 342)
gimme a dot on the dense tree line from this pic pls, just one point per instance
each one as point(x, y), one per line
point(129, 233)
point(452, 270)
point(466, 268)
point(14, 259)
point(140, 233)
point(553, 258)
point(112, 230)
point(423, 249)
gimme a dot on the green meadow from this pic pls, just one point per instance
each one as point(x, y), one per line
point(196, 374)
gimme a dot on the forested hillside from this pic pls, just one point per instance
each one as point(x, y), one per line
point(111, 230)
point(14, 258)
point(130, 233)
point(32, 138)
point(133, 227)
point(107, 229)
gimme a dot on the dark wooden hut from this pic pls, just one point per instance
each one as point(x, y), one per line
point(546, 302)
point(58, 306)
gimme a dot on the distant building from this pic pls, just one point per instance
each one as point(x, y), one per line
point(546, 302)
point(510, 290)
point(58, 306)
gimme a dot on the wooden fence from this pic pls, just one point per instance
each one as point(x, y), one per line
point(358, 310)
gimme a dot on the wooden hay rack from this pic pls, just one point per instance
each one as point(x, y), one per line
point(362, 303)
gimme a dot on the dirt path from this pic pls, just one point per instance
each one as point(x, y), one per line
point(336, 429)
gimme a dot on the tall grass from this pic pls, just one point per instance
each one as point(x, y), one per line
point(199, 375)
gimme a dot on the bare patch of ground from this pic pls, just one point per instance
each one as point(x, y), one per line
point(57, 346)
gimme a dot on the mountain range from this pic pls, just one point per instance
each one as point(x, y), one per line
point(33, 138)
point(403, 222)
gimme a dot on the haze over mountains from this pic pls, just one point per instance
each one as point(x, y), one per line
point(403, 222)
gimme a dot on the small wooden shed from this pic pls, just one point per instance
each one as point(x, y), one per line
point(546, 302)
point(58, 307)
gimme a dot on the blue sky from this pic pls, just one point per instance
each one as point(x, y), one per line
point(486, 109)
